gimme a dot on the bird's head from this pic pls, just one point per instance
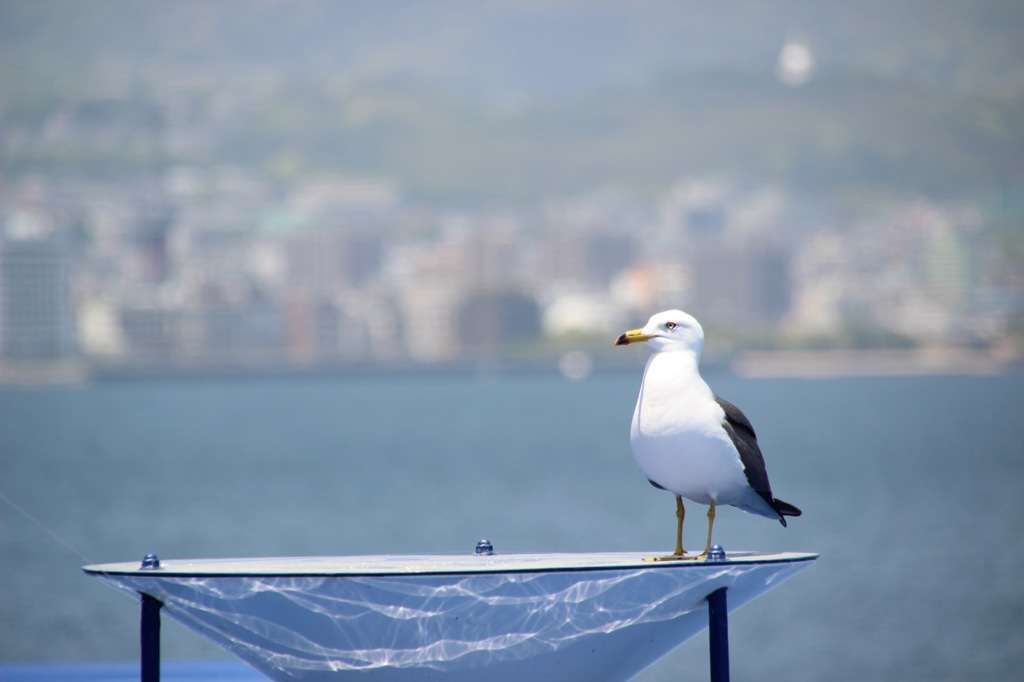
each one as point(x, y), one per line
point(672, 330)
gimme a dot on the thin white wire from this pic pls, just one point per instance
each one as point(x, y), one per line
point(24, 512)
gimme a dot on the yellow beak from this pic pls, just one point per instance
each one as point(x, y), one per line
point(632, 336)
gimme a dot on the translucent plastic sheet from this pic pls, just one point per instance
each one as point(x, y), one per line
point(579, 624)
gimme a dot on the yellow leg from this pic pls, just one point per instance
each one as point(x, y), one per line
point(680, 515)
point(711, 524)
point(680, 553)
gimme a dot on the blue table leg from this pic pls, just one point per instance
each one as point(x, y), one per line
point(718, 634)
point(149, 638)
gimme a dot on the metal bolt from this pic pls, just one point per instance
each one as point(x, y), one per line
point(484, 547)
point(716, 553)
point(150, 561)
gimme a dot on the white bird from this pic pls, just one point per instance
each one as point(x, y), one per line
point(689, 441)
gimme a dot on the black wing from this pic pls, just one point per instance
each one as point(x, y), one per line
point(743, 437)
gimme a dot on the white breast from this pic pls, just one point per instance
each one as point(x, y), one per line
point(677, 435)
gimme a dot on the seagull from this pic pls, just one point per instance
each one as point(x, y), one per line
point(689, 441)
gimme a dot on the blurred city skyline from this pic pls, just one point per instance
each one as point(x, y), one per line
point(260, 184)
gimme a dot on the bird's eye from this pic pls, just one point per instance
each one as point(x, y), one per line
point(670, 325)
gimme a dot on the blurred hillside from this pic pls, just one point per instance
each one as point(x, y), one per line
point(520, 101)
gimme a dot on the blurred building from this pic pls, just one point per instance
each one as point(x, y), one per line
point(335, 259)
point(149, 333)
point(491, 321)
point(732, 262)
point(587, 259)
point(151, 234)
point(740, 285)
point(36, 317)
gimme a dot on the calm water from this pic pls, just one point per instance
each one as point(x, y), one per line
point(912, 491)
